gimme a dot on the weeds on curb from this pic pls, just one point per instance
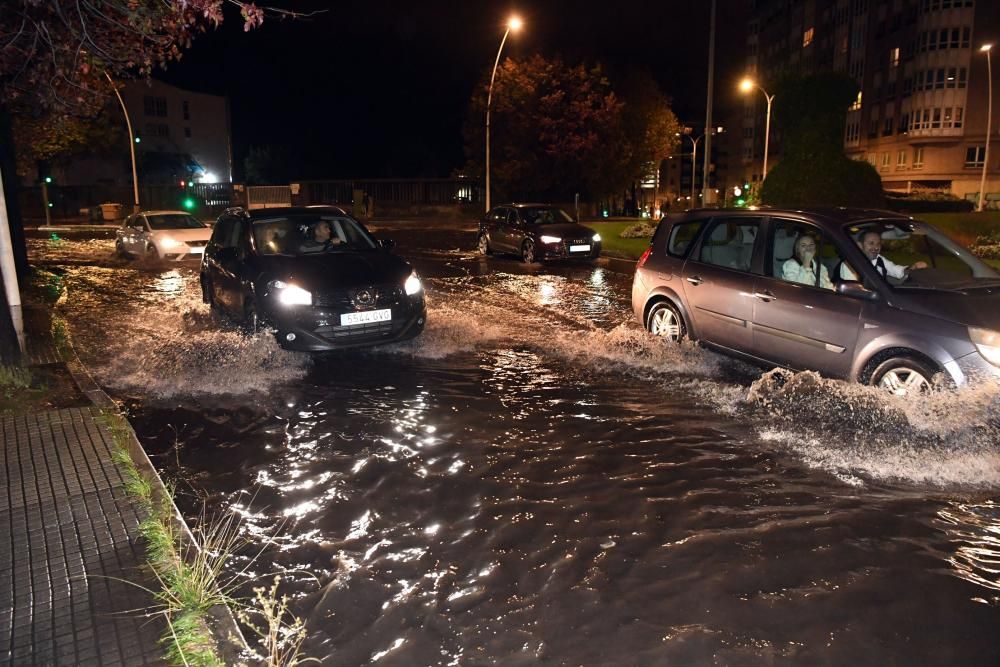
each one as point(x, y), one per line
point(193, 579)
point(60, 337)
point(13, 378)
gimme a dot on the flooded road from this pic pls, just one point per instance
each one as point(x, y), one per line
point(534, 480)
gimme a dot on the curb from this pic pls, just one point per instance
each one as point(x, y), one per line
point(230, 642)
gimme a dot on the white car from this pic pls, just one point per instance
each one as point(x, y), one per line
point(170, 235)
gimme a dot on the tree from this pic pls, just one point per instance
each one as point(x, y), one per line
point(55, 137)
point(267, 165)
point(814, 171)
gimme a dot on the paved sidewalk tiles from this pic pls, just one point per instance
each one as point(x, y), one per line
point(68, 545)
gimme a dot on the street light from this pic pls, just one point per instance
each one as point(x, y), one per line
point(132, 141)
point(694, 156)
point(986, 48)
point(747, 85)
point(514, 24)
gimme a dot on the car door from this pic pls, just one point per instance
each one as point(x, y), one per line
point(141, 234)
point(507, 226)
point(220, 263)
point(799, 320)
point(495, 221)
point(718, 284)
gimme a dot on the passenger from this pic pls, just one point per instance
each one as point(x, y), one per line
point(870, 243)
point(804, 267)
point(276, 240)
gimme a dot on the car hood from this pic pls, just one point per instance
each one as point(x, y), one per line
point(333, 270)
point(202, 234)
point(566, 230)
point(977, 307)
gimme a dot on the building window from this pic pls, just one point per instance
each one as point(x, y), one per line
point(885, 161)
point(904, 123)
point(958, 116)
point(187, 132)
point(961, 77)
point(856, 104)
point(975, 156)
point(807, 37)
point(894, 57)
point(918, 158)
point(901, 160)
point(887, 125)
point(186, 110)
point(936, 118)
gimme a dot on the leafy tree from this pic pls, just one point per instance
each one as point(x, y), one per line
point(267, 165)
point(55, 137)
point(813, 170)
point(558, 129)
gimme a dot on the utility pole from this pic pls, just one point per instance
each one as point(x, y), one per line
point(706, 197)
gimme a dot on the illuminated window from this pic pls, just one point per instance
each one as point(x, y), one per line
point(894, 57)
point(807, 37)
point(857, 103)
point(918, 158)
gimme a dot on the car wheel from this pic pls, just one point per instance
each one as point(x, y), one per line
point(665, 321)
point(484, 245)
point(903, 376)
point(151, 252)
point(120, 249)
point(251, 318)
point(528, 252)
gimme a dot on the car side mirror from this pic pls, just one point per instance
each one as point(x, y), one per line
point(387, 244)
point(856, 290)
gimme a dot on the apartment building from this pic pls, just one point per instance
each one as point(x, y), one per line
point(921, 116)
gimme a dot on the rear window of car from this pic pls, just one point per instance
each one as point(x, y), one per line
point(682, 237)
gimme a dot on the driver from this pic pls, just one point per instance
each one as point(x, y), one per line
point(870, 243)
point(322, 238)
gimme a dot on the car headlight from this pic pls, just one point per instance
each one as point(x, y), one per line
point(167, 242)
point(596, 238)
point(549, 239)
point(987, 342)
point(412, 284)
point(291, 295)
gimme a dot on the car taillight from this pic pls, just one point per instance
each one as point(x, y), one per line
point(645, 256)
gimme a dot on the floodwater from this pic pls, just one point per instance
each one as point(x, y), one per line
point(535, 480)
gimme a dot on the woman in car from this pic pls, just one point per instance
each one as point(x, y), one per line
point(804, 267)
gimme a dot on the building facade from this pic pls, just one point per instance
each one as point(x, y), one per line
point(181, 136)
point(921, 115)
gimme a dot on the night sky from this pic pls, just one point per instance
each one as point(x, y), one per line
point(380, 89)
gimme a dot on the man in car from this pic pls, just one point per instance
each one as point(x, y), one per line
point(322, 238)
point(870, 243)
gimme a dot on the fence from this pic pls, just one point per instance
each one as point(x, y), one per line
point(402, 191)
point(268, 196)
point(203, 199)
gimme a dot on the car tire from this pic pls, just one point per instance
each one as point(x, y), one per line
point(903, 376)
point(151, 251)
point(251, 318)
point(528, 252)
point(665, 321)
point(484, 245)
point(120, 249)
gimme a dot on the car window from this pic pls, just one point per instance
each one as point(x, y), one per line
point(310, 234)
point(803, 254)
point(498, 214)
point(543, 215)
point(729, 242)
point(682, 236)
point(174, 221)
point(220, 230)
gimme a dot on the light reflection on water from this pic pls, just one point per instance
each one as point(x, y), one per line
point(536, 480)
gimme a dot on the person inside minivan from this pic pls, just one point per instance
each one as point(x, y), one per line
point(870, 242)
point(804, 266)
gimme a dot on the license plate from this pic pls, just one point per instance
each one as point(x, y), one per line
point(366, 317)
point(579, 248)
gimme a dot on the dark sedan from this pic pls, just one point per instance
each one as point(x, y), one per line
point(315, 275)
point(536, 232)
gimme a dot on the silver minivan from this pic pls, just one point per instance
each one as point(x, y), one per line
point(865, 295)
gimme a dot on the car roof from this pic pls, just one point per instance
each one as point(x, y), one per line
point(256, 213)
point(833, 216)
point(165, 212)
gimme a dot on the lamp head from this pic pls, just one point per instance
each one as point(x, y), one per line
point(747, 84)
point(514, 23)
point(985, 48)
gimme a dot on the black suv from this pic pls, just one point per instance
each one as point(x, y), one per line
point(315, 275)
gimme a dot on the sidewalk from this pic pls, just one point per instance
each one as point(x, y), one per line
point(69, 540)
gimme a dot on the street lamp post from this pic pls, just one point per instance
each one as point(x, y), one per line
point(131, 145)
point(694, 158)
point(746, 86)
point(986, 48)
point(513, 24)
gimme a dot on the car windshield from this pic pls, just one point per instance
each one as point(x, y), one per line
point(174, 221)
point(309, 235)
point(544, 215)
point(912, 254)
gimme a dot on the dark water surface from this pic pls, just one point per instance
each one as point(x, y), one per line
point(536, 481)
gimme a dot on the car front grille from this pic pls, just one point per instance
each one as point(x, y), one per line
point(383, 296)
point(355, 331)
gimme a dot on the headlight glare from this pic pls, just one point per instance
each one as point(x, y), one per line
point(596, 238)
point(550, 239)
point(987, 342)
point(167, 242)
point(290, 295)
point(412, 285)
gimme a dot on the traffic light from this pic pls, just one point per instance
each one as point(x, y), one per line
point(48, 179)
point(188, 203)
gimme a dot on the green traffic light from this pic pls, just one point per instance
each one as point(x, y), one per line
point(740, 201)
point(48, 179)
point(189, 203)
